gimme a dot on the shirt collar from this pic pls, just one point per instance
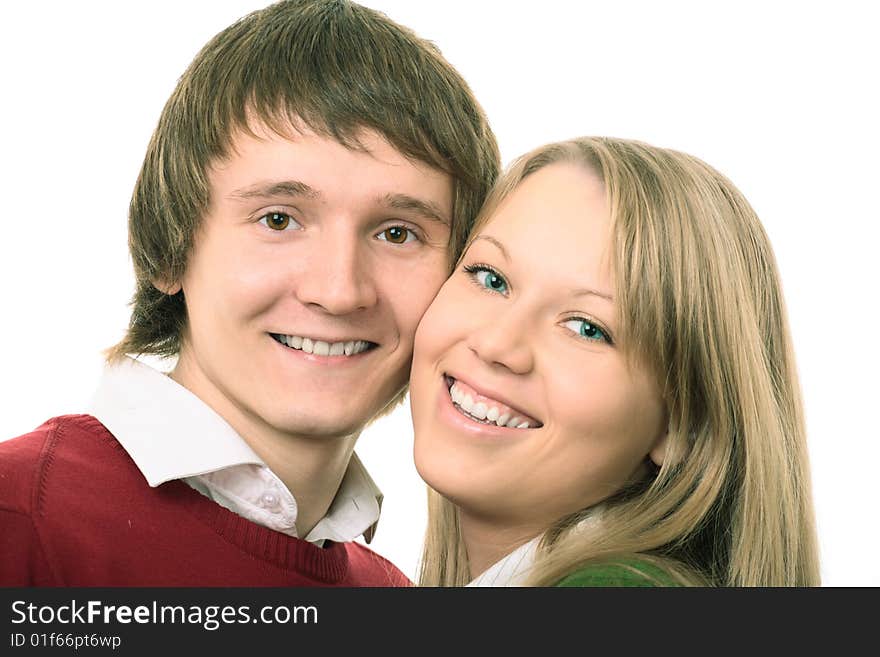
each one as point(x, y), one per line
point(510, 570)
point(170, 434)
point(168, 431)
point(355, 509)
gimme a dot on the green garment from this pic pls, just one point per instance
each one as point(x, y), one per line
point(631, 572)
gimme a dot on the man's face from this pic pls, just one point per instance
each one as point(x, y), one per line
point(311, 270)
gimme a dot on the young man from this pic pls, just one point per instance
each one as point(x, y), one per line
point(311, 180)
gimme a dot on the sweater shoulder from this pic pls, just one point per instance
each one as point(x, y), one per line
point(26, 459)
point(369, 568)
point(632, 572)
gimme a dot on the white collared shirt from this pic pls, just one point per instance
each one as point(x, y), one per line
point(511, 570)
point(171, 434)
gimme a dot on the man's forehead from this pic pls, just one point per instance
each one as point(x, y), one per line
point(293, 128)
point(359, 137)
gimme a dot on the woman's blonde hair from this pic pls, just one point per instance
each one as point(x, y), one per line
point(700, 305)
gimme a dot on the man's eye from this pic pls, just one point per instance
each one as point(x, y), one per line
point(397, 235)
point(587, 330)
point(278, 221)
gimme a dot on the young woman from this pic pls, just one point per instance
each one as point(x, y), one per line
point(604, 391)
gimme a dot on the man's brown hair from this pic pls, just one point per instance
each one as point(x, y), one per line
point(332, 65)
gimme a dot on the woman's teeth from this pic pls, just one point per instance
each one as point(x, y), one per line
point(487, 411)
point(321, 348)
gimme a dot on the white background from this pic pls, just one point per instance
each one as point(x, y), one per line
point(779, 96)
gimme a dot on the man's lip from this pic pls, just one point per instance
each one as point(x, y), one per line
point(328, 340)
point(450, 377)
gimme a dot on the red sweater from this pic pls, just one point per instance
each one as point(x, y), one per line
point(76, 511)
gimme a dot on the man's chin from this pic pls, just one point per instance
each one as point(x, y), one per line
point(321, 426)
point(325, 415)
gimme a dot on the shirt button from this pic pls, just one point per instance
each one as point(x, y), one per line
point(269, 500)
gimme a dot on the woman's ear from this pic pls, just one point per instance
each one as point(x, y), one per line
point(166, 288)
point(658, 451)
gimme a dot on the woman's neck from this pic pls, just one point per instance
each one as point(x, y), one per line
point(488, 540)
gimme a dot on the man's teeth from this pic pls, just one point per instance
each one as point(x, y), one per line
point(321, 348)
point(486, 413)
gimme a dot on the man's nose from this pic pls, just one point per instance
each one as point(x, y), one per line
point(338, 276)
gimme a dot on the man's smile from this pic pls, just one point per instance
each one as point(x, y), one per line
point(319, 347)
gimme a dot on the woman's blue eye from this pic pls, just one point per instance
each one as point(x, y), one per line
point(586, 330)
point(490, 280)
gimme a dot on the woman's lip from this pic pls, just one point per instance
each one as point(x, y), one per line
point(450, 415)
point(450, 378)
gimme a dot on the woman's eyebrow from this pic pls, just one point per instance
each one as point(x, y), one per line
point(587, 291)
point(577, 292)
point(494, 241)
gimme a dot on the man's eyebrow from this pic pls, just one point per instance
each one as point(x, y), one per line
point(425, 208)
point(276, 188)
point(498, 244)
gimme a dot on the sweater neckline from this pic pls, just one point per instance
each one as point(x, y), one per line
point(327, 564)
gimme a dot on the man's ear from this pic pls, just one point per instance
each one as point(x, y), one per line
point(165, 287)
point(658, 451)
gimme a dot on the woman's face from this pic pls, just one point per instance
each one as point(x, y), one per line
point(524, 407)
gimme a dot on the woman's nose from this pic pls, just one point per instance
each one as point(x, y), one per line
point(504, 341)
